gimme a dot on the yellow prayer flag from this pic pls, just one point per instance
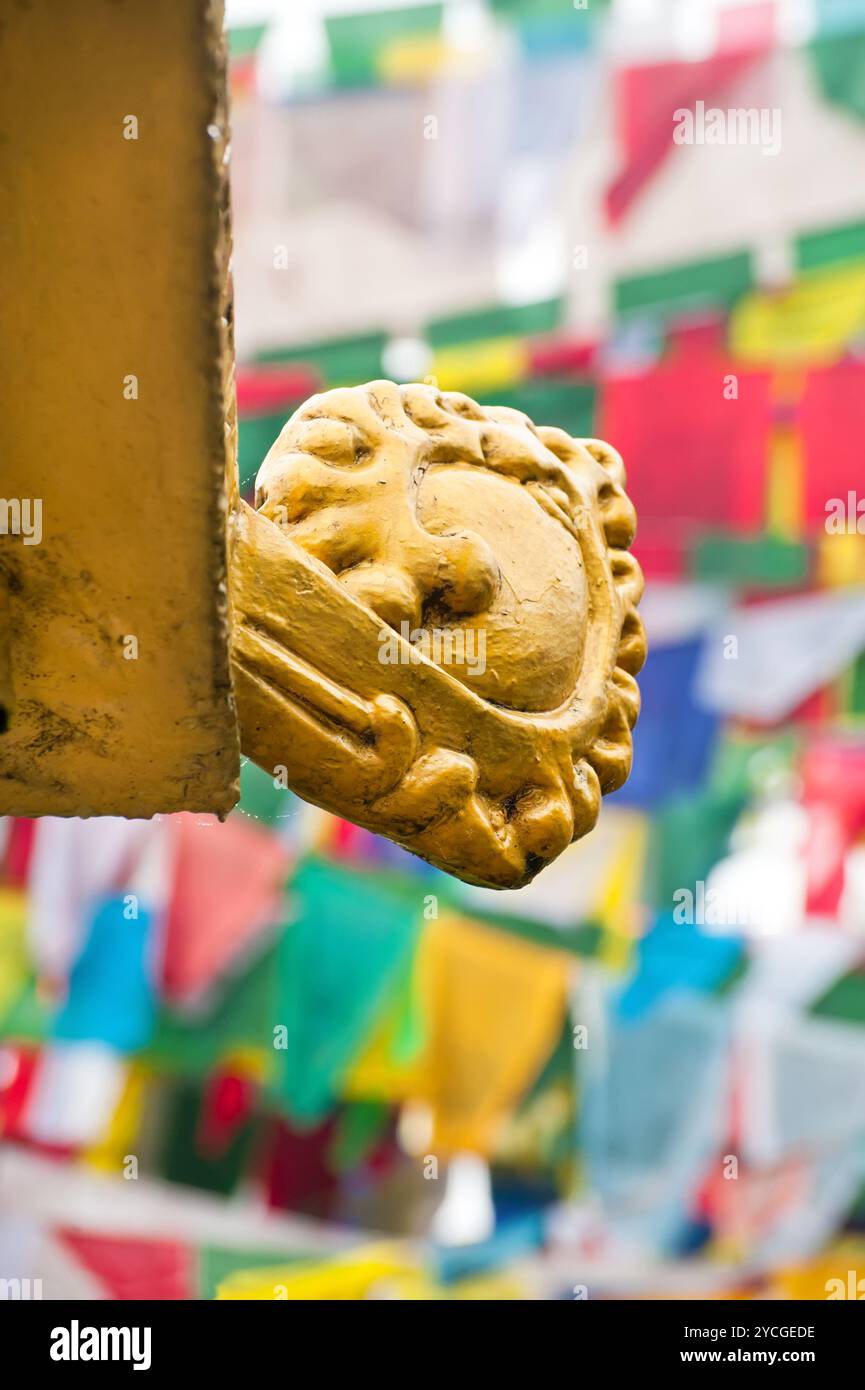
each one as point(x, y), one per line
point(493, 1007)
point(341, 1277)
point(496, 1010)
point(841, 561)
point(15, 969)
point(618, 907)
point(481, 366)
point(809, 323)
point(413, 59)
point(110, 1153)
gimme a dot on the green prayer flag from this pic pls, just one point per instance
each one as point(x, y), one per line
point(844, 1001)
point(569, 405)
point(339, 361)
point(27, 1020)
point(358, 41)
point(830, 246)
point(720, 281)
point(496, 321)
point(764, 560)
point(340, 957)
point(261, 798)
point(243, 39)
point(217, 1262)
point(359, 1127)
point(839, 66)
point(185, 1161)
point(243, 1016)
point(688, 837)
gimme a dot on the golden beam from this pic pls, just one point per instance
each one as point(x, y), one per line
point(114, 394)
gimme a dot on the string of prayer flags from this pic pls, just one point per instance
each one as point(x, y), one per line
point(389, 1065)
point(804, 1088)
point(841, 560)
point(618, 908)
point(561, 357)
point(17, 1076)
point(244, 41)
point(359, 1130)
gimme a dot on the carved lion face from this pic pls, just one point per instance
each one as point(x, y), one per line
point(475, 553)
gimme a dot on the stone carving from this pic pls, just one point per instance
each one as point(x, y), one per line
point(434, 624)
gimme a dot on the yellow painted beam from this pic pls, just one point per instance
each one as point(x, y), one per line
point(116, 407)
point(6, 693)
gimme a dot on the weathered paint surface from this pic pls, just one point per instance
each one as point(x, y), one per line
point(116, 407)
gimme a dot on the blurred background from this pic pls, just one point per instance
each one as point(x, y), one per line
point(281, 1058)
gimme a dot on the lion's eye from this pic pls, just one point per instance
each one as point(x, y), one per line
point(333, 440)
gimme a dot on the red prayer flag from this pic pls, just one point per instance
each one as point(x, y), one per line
point(19, 850)
point(647, 97)
point(833, 774)
point(695, 459)
point(261, 390)
point(228, 881)
point(130, 1268)
point(832, 421)
point(227, 1107)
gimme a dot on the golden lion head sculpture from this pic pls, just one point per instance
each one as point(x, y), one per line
point(435, 624)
